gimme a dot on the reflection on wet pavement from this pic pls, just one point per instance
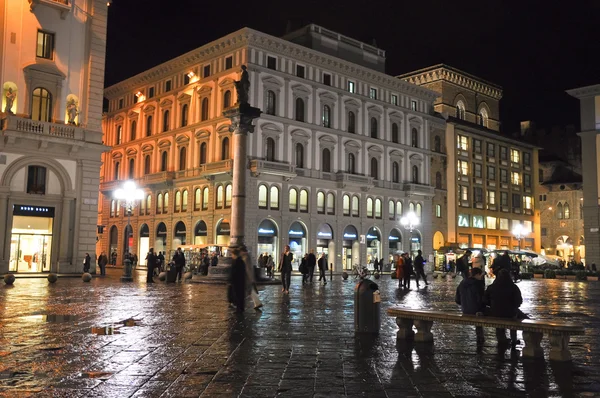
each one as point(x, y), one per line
point(119, 340)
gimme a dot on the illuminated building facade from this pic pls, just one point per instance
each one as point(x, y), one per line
point(339, 154)
point(52, 75)
point(494, 173)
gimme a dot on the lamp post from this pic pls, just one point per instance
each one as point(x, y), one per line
point(410, 222)
point(129, 194)
point(519, 232)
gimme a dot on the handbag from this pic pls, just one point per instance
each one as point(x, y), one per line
point(255, 299)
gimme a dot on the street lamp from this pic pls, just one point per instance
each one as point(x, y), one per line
point(129, 195)
point(410, 222)
point(519, 232)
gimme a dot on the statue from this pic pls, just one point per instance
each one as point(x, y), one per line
point(242, 87)
point(72, 111)
point(10, 99)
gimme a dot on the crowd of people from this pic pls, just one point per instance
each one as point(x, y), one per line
point(406, 267)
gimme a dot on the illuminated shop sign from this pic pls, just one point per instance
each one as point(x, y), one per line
point(33, 211)
point(349, 236)
point(265, 231)
point(478, 222)
point(463, 220)
point(296, 233)
point(372, 236)
point(393, 238)
point(324, 234)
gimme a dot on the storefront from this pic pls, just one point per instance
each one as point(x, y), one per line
point(297, 239)
point(31, 238)
point(373, 245)
point(200, 233)
point(267, 239)
point(179, 235)
point(394, 244)
point(350, 248)
point(492, 242)
point(143, 244)
point(504, 242)
point(160, 244)
point(415, 243)
point(325, 243)
point(223, 231)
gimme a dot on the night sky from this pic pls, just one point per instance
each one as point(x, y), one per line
point(533, 50)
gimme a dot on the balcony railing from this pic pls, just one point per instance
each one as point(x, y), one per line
point(344, 179)
point(164, 178)
point(49, 129)
point(63, 6)
point(259, 166)
point(419, 189)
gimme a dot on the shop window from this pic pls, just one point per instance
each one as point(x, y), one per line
point(205, 198)
point(36, 180)
point(228, 195)
point(346, 205)
point(274, 197)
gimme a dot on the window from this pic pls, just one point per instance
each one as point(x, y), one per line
point(272, 63)
point(204, 110)
point(415, 174)
point(205, 198)
point(299, 109)
point(373, 127)
point(504, 176)
point(300, 71)
point(116, 170)
point(304, 201)
point(346, 205)
point(491, 173)
point(491, 197)
point(491, 222)
point(177, 207)
point(378, 208)
point(355, 207)
point(398, 208)
point(463, 167)
point(413, 105)
point(41, 105)
point(515, 156)
point(150, 92)
point(463, 143)
point(274, 197)
point(351, 166)
point(526, 180)
point(460, 110)
point(166, 203)
point(477, 146)
point(164, 161)
point(327, 79)
point(351, 122)
point(414, 138)
point(203, 153)
point(149, 126)
point(477, 170)
point(411, 207)
point(132, 132)
point(206, 70)
point(119, 137)
point(186, 78)
point(168, 86)
point(391, 208)
point(229, 62)
point(483, 118)
point(182, 158)
point(544, 231)
point(197, 198)
point(159, 203)
point(45, 45)
point(464, 193)
point(559, 211)
point(437, 144)
point(516, 201)
point(394, 99)
point(369, 207)
point(374, 168)
point(142, 207)
point(543, 198)
point(515, 178)
point(419, 211)
point(503, 153)
point(184, 200)
point(351, 86)
point(262, 197)
point(528, 203)
point(131, 169)
point(293, 200)
point(227, 99)
point(326, 116)
point(477, 195)
point(36, 180)
point(320, 203)
point(566, 211)
point(438, 180)
point(271, 98)
point(395, 135)
point(165, 121)
point(225, 149)
point(504, 199)
point(270, 150)
point(299, 156)
point(395, 172)
point(491, 150)
point(373, 93)
point(147, 164)
point(438, 211)
point(526, 159)
point(228, 195)
point(220, 197)
point(326, 160)
point(504, 224)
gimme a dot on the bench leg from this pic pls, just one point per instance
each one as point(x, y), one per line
point(405, 331)
point(424, 334)
point(559, 350)
point(532, 348)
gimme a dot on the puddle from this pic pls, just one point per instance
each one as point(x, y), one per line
point(104, 330)
point(130, 322)
point(51, 318)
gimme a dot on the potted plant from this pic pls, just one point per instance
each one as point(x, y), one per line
point(550, 274)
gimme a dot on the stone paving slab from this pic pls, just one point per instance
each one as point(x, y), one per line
point(184, 341)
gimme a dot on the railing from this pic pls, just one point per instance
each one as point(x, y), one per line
point(353, 178)
point(220, 167)
point(259, 166)
point(23, 125)
point(164, 177)
point(419, 189)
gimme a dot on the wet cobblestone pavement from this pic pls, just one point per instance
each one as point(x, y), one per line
point(72, 339)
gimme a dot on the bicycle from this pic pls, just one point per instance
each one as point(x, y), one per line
point(360, 272)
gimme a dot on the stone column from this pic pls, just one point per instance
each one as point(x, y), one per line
point(5, 245)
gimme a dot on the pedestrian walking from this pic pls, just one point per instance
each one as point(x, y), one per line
point(311, 262)
point(179, 261)
point(285, 267)
point(237, 281)
point(504, 299)
point(303, 268)
point(408, 271)
point(462, 264)
point(214, 261)
point(102, 262)
point(376, 264)
point(87, 261)
point(270, 267)
point(322, 264)
point(420, 268)
point(135, 260)
point(399, 269)
point(161, 261)
point(469, 295)
point(150, 263)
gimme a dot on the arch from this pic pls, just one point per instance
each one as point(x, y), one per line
point(370, 207)
point(274, 197)
point(205, 193)
point(566, 211)
point(559, 211)
point(177, 201)
point(330, 203)
point(395, 241)
point(200, 233)
point(399, 209)
point(228, 195)
point(324, 231)
point(222, 231)
point(179, 234)
point(346, 204)
point(482, 117)
point(438, 240)
point(355, 206)
point(50, 164)
point(350, 233)
point(460, 109)
point(161, 237)
point(297, 230)
point(373, 244)
point(293, 199)
point(321, 202)
point(263, 196)
point(219, 197)
point(268, 227)
point(395, 134)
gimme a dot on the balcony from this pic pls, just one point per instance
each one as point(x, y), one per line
point(20, 127)
point(281, 169)
point(163, 179)
point(419, 189)
point(62, 6)
point(344, 179)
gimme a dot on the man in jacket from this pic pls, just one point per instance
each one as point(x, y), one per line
point(87, 261)
point(420, 268)
point(285, 267)
point(469, 295)
point(322, 268)
point(311, 262)
point(408, 270)
point(504, 299)
point(462, 264)
point(179, 260)
point(150, 263)
point(102, 261)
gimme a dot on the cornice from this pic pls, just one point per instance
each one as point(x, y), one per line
point(585, 92)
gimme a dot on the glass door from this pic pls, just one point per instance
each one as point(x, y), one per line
point(30, 253)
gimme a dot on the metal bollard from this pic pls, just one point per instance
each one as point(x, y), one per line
point(330, 271)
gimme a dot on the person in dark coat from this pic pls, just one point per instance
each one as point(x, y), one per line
point(311, 262)
point(462, 264)
point(322, 263)
point(179, 260)
point(87, 261)
point(161, 259)
point(304, 269)
point(102, 261)
point(150, 263)
point(214, 261)
point(408, 271)
point(237, 280)
point(420, 268)
point(504, 299)
point(469, 295)
point(285, 267)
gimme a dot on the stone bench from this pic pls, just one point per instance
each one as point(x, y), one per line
point(533, 331)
